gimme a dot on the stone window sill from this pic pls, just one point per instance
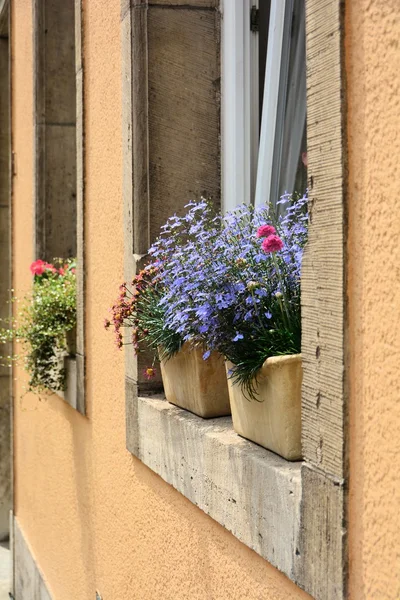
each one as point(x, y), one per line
point(252, 492)
point(70, 395)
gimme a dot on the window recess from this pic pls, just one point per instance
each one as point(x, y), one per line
point(59, 168)
point(299, 509)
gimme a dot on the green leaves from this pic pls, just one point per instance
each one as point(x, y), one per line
point(47, 314)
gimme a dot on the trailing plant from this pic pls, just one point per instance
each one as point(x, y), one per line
point(48, 313)
point(141, 306)
point(235, 285)
point(229, 284)
point(138, 308)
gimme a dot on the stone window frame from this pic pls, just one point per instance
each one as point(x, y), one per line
point(6, 373)
point(75, 367)
point(293, 514)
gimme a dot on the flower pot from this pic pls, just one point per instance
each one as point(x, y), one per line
point(195, 384)
point(274, 419)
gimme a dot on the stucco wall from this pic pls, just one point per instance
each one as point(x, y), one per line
point(95, 517)
point(373, 59)
point(5, 285)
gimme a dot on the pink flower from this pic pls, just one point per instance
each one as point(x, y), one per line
point(149, 372)
point(63, 270)
point(39, 267)
point(265, 231)
point(273, 243)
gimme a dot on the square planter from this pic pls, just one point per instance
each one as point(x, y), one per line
point(195, 384)
point(274, 420)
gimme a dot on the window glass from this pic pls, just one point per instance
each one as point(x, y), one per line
point(282, 158)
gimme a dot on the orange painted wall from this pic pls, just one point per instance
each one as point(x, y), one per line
point(373, 64)
point(95, 517)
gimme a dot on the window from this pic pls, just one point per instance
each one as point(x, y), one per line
point(294, 515)
point(264, 101)
point(58, 89)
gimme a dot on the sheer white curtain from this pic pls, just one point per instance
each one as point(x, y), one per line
point(258, 167)
point(282, 138)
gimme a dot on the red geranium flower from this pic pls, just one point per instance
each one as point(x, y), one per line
point(40, 266)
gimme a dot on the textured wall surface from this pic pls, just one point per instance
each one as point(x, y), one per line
point(5, 286)
point(373, 59)
point(94, 516)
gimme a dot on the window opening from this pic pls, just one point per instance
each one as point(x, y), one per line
point(264, 103)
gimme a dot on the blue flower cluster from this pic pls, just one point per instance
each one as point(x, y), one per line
point(222, 290)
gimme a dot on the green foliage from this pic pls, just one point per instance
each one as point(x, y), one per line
point(158, 337)
point(48, 313)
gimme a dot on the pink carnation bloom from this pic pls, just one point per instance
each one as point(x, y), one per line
point(273, 243)
point(265, 231)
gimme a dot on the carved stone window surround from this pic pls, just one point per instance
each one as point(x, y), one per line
point(180, 447)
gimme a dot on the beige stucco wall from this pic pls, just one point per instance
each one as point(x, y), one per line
point(95, 517)
point(5, 285)
point(373, 60)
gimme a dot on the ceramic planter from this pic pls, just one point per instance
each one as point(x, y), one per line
point(195, 384)
point(274, 421)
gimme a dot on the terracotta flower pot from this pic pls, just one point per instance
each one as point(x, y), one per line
point(195, 384)
point(274, 420)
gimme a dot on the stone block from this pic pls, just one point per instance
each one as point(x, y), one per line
point(183, 109)
point(56, 208)
point(56, 31)
point(5, 455)
point(4, 124)
point(322, 545)
point(29, 583)
point(250, 491)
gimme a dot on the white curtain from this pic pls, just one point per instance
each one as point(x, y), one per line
point(282, 139)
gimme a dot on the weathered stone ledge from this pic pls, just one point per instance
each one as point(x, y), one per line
point(250, 491)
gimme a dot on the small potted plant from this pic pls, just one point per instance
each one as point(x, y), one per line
point(44, 324)
point(189, 381)
point(246, 305)
point(264, 360)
